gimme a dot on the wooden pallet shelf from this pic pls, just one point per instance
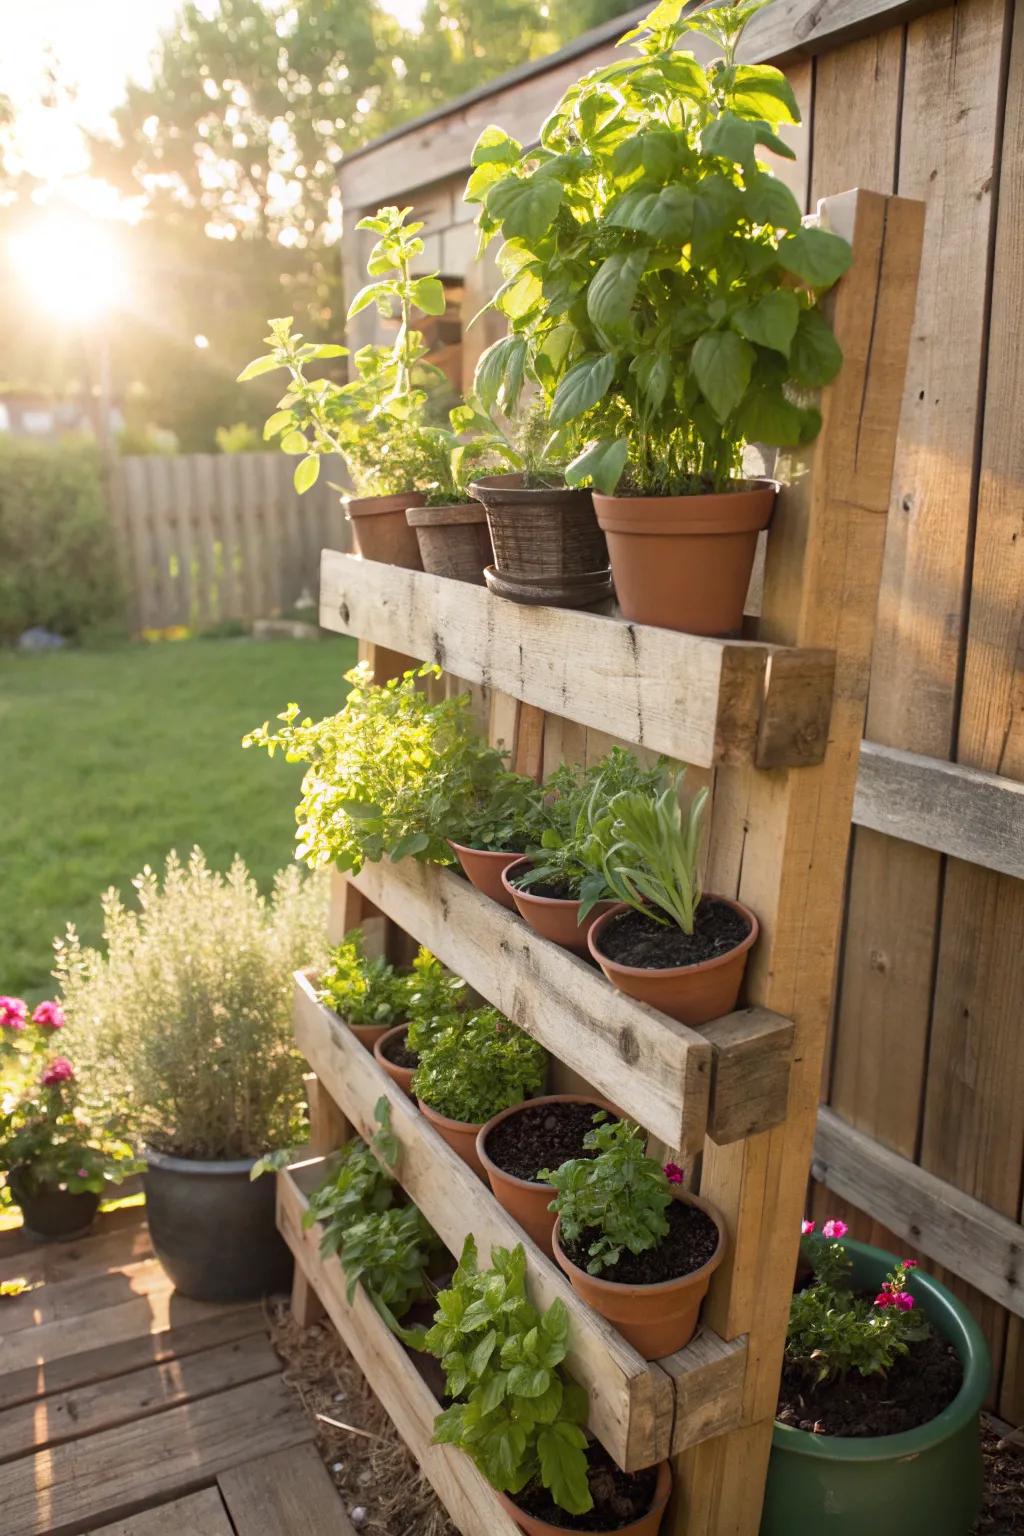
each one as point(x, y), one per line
point(639, 1409)
point(728, 1079)
point(382, 1359)
point(702, 701)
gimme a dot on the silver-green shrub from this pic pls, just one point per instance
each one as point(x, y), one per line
point(183, 1020)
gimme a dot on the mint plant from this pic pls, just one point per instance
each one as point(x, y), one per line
point(357, 1185)
point(622, 1195)
point(515, 1411)
point(378, 421)
point(389, 1253)
point(475, 1067)
point(649, 852)
point(660, 288)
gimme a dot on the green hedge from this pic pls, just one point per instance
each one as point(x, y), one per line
point(58, 561)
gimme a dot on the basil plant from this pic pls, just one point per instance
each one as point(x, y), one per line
point(659, 286)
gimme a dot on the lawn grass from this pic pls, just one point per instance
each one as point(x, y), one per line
point(113, 757)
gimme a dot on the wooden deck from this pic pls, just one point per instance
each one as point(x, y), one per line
point(126, 1410)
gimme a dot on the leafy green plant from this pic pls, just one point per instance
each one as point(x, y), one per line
point(395, 774)
point(360, 990)
point(526, 446)
point(659, 286)
point(504, 814)
point(356, 1187)
point(477, 1066)
point(389, 1252)
point(379, 420)
point(649, 851)
point(516, 1412)
point(834, 1332)
point(621, 1194)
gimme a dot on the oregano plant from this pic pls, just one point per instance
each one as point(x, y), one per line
point(660, 287)
point(618, 1198)
point(477, 1066)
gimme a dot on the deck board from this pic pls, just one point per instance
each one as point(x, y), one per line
point(201, 1514)
point(289, 1494)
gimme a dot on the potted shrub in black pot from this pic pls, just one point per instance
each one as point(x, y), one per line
point(186, 1016)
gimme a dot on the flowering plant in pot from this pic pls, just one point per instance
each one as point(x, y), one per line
point(666, 942)
point(884, 1375)
point(435, 999)
point(636, 1248)
point(471, 1069)
point(519, 1415)
point(183, 1023)
point(560, 887)
point(59, 1156)
point(380, 420)
point(664, 294)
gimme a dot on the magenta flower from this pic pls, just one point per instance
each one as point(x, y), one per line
point(83, 1173)
point(883, 1299)
point(49, 1015)
point(673, 1173)
point(59, 1070)
point(807, 1227)
point(904, 1301)
point(834, 1229)
point(12, 1013)
point(909, 1263)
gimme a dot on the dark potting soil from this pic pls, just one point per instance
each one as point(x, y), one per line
point(554, 890)
point(619, 1498)
point(692, 1239)
point(918, 1387)
point(635, 939)
point(542, 1137)
point(399, 1054)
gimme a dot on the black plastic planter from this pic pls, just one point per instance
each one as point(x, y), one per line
point(50, 1213)
point(213, 1228)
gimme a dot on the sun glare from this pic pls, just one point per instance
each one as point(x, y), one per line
point(69, 267)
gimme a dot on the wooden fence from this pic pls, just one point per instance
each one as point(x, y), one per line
point(208, 537)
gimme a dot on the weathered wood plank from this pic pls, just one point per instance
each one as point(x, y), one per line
point(79, 1298)
point(698, 700)
point(708, 1380)
point(973, 1240)
point(118, 1471)
point(656, 1070)
point(405, 1395)
point(631, 1401)
point(23, 1255)
point(100, 1405)
point(200, 1514)
point(289, 1494)
point(752, 1052)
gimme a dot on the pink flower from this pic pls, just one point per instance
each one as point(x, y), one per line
point(83, 1173)
point(904, 1301)
point(909, 1263)
point(883, 1299)
point(12, 1013)
point(807, 1227)
point(49, 1015)
point(834, 1229)
point(673, 1173)
point(59, 1070)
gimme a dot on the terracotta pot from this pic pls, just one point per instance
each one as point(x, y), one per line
point(482, 868)
point(380, 531)
point(459, 1135)
point(453, 541)
point(550, 916)
point(690, 994)
point(656, 1319)
point(526, 1200)
point(367, 1034)
point(684, 562)
point(401, 1075)
point(548, 547)
point(647, 1525)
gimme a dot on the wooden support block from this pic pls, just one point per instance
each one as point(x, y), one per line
point(391, 1372)
point(708, 1379)
point(752, 1050)
point(328, 1128)
point(696, 699)
point(306, 1306)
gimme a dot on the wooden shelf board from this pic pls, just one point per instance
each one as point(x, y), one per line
point(405, 1395)
point(700, 700)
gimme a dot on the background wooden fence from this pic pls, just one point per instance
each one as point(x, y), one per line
point(208, 537)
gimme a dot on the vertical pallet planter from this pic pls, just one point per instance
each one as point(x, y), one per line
point(773, 724)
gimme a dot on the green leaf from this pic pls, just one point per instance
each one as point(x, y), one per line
point(259, 365)
point(654, 375)
point(525, 206)
point(770, 321)
point(428, 294)
point(495, 147)
point(372, 293)
point(602, 463)
point(499, 372)
point(769, 201)
point(612, 291)
point(666, 215)
point(317, 351)
point(761, 90)
point(772, 141)
point(294, 442)
point(563, 1466)
point(517, 299)
point(731, 137)
point(768, 417)
point(816, 256)
point(816, 357)
point(528, 1381)
point(716, 204)
point(582, 387)
point(721, 363)
point(277, 423)
point(409, 846)
point(482, 180)
point(306, 471)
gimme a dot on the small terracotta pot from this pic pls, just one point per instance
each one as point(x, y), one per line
point(647, 1525)
point(690, 994)
point(684, 562)
point(380, 531)
point(656, 1319)
point(401, 1075)
point(550, 916)
point(460, 1136)
point(526, 1200)
point(548, 547)
point(482, 868)
point(368, 1034)
point(454, 541)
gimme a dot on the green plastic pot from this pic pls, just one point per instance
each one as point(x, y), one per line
point(924, 1482)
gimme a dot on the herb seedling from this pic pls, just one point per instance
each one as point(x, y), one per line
point(619, 1197)
point(475, 1067)
point(649, 851)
